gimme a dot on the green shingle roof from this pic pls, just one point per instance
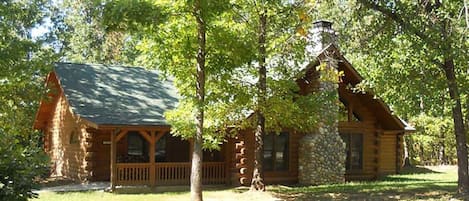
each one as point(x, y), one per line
point(116, 95)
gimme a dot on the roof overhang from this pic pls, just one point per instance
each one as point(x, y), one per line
point(46, 104)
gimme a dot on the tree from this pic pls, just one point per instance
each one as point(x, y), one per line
point(257, 182)
point(79, 35)
point(429, 143)
point(428, 40)
point(232, 63)
point(20, 167)
point(22, 69)
point(184, 30)
point(196, 170)
point(277, 64)
point(435, 29)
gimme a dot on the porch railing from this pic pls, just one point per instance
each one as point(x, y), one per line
point(133, 173)
point(168, 173)
point(172, 173)
point(213, 173)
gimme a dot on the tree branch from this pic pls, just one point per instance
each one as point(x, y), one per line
point(466, 10)
point(400, 21)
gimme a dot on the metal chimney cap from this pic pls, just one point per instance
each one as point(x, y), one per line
point(323, 24)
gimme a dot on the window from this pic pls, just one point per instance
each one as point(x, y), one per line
point(136, 145)
point(172, 149)
point(354, 150)
point(276, 152)
point(212, 156)
point(160, 149)
point(73, 137)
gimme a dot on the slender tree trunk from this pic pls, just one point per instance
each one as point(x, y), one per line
point(442, 149)
point(423, 160)
point(257, 182)
point(408, 153)
point(467, 111)
point(461, 147)
point(196, 170)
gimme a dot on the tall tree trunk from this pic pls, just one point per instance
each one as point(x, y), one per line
point(196, 170)
point(443, 45)
point(461, 147)
point(257, 182)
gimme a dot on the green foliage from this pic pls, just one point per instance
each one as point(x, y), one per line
point(23, 67)
point(403, 63)
point(430, 137)
point(21, 165)
point(131, 15)
point(80, 35)
point(168, 42)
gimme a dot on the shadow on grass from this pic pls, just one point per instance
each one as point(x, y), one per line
point(414, 184)
point(371, 191)
point(166, 189)
point(416, 170)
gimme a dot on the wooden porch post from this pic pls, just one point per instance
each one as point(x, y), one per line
point(152, 159)
point(113, 161)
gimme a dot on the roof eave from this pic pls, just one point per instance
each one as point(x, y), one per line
point(37, 116)
point(130, 127)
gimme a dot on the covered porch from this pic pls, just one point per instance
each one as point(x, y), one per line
point(154, 157)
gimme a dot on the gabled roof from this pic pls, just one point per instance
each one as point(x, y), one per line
point(116, 95)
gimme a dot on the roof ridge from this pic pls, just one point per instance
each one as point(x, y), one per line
point(101, 65)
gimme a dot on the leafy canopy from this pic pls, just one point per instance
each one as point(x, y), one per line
point(22, 69)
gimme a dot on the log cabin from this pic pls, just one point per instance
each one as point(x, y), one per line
point(106, 123)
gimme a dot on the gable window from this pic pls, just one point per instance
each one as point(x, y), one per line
point(73, 137)
point(354, 150)
point(276, 149)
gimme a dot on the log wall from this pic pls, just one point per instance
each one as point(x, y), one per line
point(67, 143)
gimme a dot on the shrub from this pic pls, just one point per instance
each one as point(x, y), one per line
point(21, 164)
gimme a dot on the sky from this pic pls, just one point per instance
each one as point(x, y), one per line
point(42, 29)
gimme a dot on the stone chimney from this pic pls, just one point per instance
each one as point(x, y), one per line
point(321, 152)
point(320, 36)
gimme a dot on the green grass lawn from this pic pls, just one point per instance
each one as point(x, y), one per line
point(433, 183)
point(229, 194)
